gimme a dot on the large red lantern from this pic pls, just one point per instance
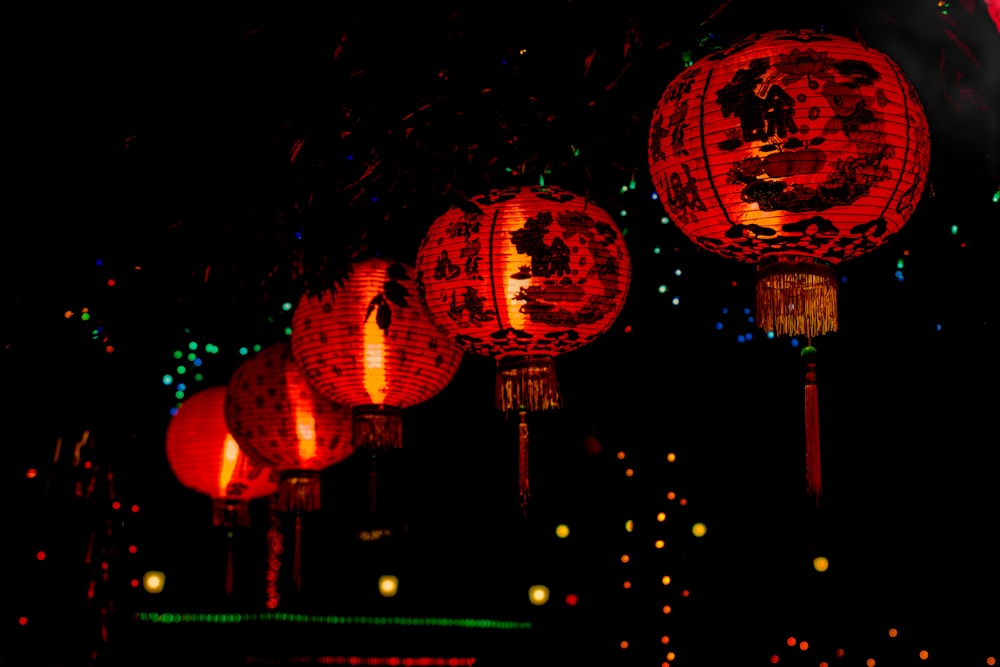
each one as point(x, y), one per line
point(370, 345)
point(205, 457)
point(523, 275)
point(793, 151)
point(277, 416)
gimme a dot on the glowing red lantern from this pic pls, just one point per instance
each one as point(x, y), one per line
point(206, 458)
point(993, 9)
point(793, 151)
point(524, 274)
point(279, 418)
point(369, 344)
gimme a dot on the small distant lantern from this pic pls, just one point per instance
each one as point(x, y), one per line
point(369, 344)
point(279, 418)
point(792, 150)
point(524, 274)
point(205, 457)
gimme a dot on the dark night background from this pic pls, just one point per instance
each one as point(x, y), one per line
point(214, 164)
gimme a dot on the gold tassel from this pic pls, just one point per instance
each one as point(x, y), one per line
point(522, 430)
point(797, 297)
point(814, 478)
point(377, 426)
point(299, 491)
point(527, 382)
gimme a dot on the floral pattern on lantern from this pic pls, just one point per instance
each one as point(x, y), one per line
point(205, 457)
point(794, 151)
point(279, 418)
point(524, 274)
point(369, 344)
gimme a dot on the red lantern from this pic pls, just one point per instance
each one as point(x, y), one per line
point(793, 151)
point(993, 9)
point(279, 418)
point(206, 458)
point(369, 344)
point(524, 274)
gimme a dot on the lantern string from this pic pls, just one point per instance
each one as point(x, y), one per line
point(814, 480)
point(229, 564)
point(522, 429)
point(297, 558)
point(372, 485)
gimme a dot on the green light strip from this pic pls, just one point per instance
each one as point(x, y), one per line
point(284, 617)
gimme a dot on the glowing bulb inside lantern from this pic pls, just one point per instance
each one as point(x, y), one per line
point(374, 355)
point(230, 454)
point(300, 396)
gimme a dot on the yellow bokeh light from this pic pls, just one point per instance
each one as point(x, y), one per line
point(562, 530)
point(924, 655)
point(621, 455)
point(666, 579)
point(388, 585)
point(658, 544)
point(153, 581)
point(662, 516)
point(538, 594)
point(628, 526)
point(699, 529)
point(671, 457)
point(624, 558)
point(821, 564)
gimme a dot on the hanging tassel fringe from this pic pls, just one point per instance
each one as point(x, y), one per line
point(522, 431)
point(230, 512)
point(527, 383)
point(797, 297)
point(814, 478)
point(377, 427)
point(299, 491)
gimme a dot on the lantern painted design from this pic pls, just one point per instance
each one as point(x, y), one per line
point(369, 344)
point(205, 457)
point(793, 151)
point(993, 9)
point(524, 274)
point(279, 418)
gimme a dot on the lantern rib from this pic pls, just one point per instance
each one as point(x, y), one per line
point(704, 150)
point(493, 284)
